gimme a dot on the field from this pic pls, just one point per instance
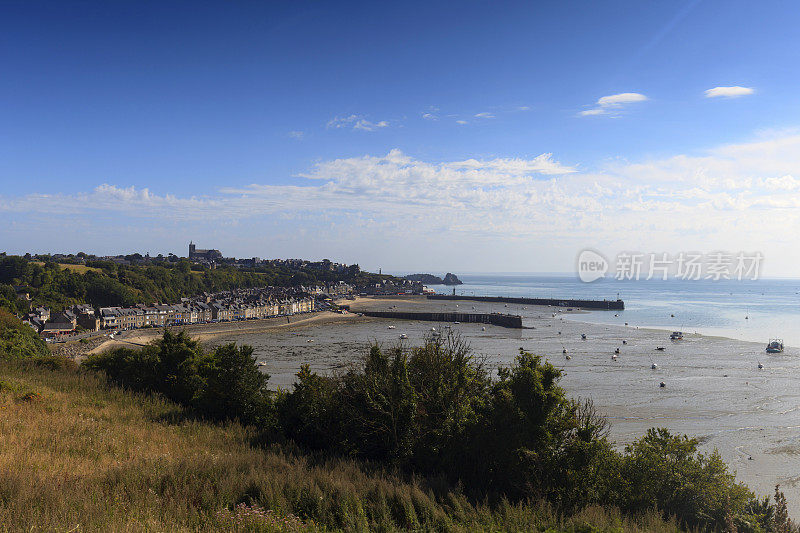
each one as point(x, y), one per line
point(78, 269)
point(79, 455)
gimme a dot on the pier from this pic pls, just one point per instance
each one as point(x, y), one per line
point(495, 319)
point(616, 305)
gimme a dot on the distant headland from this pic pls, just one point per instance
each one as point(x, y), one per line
point(430, 279)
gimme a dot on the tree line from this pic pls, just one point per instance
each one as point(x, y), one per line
point(110, 284)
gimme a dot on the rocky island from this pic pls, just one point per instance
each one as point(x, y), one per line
point(430, 279)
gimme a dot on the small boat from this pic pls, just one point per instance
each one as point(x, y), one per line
point(672, 316)
point(391, 327)
point(660, 348)
point(662, 384)
point(654, 366)
point(564, 350)
point(616, 350)
point(676, 336)
point(760, 366)
point(624, 342)
point(614, 357)
point(262, 363)
point(456, 322)
point(483, 328)
point(583, 336)
point(775, 346)
point(403, 336)
point(568, 357)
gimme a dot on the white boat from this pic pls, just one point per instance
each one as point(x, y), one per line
point(676, 336)
point(391, 327)
point(403, 336)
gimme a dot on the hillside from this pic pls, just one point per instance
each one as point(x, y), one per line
point(105, 283)
point(79, 455)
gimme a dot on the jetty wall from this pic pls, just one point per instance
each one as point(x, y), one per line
point(586, 304)
point(496, 319)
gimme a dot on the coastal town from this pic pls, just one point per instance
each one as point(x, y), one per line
point(83, 319)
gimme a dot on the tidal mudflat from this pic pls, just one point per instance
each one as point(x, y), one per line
point(713, 389)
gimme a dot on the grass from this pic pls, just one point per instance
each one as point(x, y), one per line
point(79, 455)
point(78, 269)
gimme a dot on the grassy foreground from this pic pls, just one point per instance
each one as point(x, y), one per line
point(77, 454)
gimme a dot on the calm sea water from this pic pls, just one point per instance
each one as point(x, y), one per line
point(746, 310)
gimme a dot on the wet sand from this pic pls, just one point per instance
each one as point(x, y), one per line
point(714, 389)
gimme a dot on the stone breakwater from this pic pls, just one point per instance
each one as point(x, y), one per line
point(506, 321)
point(584, 304)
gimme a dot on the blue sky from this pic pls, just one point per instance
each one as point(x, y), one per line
point(477, 136)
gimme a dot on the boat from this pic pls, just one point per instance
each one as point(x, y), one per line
point(616, 350)
point(654, 366)
point(483, 328)
point(456, 322)
point(262, 363)
point(660, 348)
point(760, 366)
point(676, 336)
point(583, 336)
point(391, 327)
point(403, 336)
point(614, 357)
point(775, 346)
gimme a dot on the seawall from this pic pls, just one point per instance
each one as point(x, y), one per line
point(496, 319)
point(585, 304)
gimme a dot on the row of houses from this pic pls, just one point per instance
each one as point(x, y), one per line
point(204, 310)
point(67, 321)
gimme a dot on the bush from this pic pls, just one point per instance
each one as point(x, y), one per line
point(223, 385)
point(18, 340)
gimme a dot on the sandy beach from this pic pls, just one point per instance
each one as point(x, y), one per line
point(207, 332)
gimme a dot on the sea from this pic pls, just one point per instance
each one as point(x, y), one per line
point(749, 310)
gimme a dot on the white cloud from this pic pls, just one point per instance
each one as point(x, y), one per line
point(613, 104)
point(462, 122)
point(430, 116)
point(729, 92)
point(743, 196)
point(356, 122)
point(484, 115)
point(296, 134)
point(523, 108)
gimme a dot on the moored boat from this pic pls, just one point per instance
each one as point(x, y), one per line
point(775, 346)
point(676, 336)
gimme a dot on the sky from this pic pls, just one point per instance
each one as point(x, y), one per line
point(432, 136)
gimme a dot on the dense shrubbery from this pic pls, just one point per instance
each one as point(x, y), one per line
point(435, 411)
point(18, 340)
point(222, 385)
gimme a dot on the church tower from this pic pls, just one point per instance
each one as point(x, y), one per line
point(191, 249)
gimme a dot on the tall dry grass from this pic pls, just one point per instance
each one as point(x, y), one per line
point(79, 455)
